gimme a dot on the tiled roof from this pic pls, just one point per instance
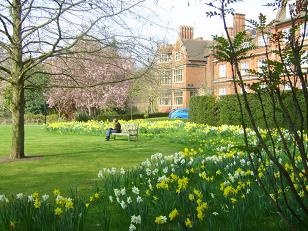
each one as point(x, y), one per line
point(197, 49)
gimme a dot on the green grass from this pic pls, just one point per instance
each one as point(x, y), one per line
point(68, 161)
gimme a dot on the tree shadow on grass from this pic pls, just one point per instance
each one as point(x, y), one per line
point(4, 159)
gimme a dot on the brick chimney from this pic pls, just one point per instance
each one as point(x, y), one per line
point(238, 23)
point(230, 31)
point(186, 32)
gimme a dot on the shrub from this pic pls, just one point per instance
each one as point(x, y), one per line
point(203, 109)
point(226, 110)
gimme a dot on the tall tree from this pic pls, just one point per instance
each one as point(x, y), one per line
point(33, 32)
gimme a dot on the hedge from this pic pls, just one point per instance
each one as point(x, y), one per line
point(226, 110)
point(203, 109)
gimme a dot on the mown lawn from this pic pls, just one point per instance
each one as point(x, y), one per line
point(68, 161)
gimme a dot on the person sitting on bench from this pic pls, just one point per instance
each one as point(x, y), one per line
point(116, 129)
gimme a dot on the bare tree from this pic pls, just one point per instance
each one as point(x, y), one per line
point(281, 153)
point(34, 32)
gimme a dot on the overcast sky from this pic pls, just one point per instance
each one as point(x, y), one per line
point(174, 13)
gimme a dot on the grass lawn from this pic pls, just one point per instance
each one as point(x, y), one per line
point(68, 161)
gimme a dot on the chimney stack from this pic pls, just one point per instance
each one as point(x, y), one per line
point(186, 32)
point(230, 31)
point(238, 23)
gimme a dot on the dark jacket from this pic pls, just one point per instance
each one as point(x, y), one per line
point(117, 126)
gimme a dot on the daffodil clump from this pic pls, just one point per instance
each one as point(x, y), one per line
point(42, 212)
point(197, 188)
point(74, 127)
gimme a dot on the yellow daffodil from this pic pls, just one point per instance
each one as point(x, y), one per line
point(56, 192)
point(37, 203)
point(173, 214)
point(96, 195)
point(35, 195)
point(58, 211)
point(188, 223)
point(160, 220)
point(191, 197)
point(69, 204)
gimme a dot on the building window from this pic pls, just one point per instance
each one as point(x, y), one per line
point(246, 88)
point(304, 33)
point(262, 40)
point(304, 62)
point(287, 87)
point(263, 85)
point(164, 58)
point(246, 45)
point(261, 65)
point(177, 56)
point(245, 68)
point(178, 75)
point(178, 98)
point(193, 93)
point(286, 34)
point(165, 99)
point(222, 70)
point(165, 77)
point(222, 91)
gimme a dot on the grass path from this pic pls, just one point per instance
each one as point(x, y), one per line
point(68, 161)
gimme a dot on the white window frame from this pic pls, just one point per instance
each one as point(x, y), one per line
point(287, 87)
point(286, 32)
point(260, 64)
point(244, 68)
point(222, 91)
point(178, 97)
point(165, 77)
point(304, 63)
point(263, 85)
point(302, 32)
point(262, 40)
point(178, 75)
point(193, 93)
point(246, 89)
point(164, 58)
point(165, 99)
point(177, 56)
point(222, 70)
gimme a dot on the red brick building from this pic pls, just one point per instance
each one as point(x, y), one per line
point(183, 70)
point(222, 79)
point(187, 68)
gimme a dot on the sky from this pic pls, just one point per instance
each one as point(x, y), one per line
point(174, 13)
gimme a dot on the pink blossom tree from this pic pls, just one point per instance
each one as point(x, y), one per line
point(103, 74)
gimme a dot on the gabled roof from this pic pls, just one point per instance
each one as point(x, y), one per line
point(197, 49)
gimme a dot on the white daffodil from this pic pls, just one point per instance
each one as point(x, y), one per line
point(123, 204)
point(19, 195)
point(45, 197)
point(135, 190)
point(129, 200)
point(131, 227)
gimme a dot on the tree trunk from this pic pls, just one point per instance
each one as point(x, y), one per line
point(18, 134)
point(17, 75)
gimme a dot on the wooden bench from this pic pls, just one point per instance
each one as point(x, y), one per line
point(129, 130)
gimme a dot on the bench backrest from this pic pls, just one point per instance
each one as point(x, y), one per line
point(132, 129)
